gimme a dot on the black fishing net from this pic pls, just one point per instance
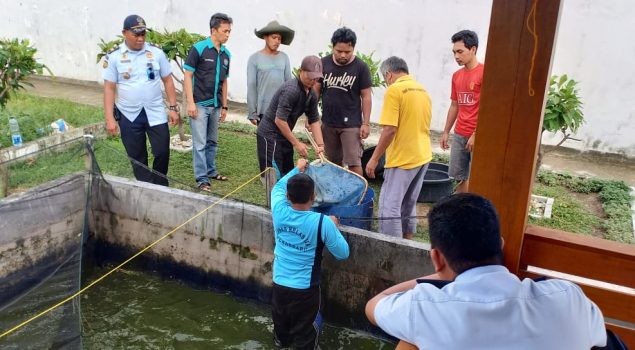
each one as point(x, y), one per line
point(41, 235)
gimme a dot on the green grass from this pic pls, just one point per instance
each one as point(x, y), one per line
point(571, 215)
point(48, 166)
point(616, 201)
point(236, 159)
point(33, 113)
point(568, 213)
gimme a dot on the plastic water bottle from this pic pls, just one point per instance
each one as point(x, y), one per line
point(61, 125)
point(14, 128)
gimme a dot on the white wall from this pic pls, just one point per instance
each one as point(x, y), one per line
point(595, 47)
point(593, 44)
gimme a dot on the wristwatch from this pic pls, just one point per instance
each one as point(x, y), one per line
point(174, 108)
point(225, 107)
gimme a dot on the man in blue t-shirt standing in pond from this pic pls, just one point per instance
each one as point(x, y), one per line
point(300, 236)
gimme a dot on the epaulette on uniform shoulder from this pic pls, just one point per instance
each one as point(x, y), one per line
point(155, 45)
point(113, 50)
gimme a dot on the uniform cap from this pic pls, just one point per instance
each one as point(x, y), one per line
point(135, 24)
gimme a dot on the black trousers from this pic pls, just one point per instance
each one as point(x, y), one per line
point(133, 137)
point(274, 153)
point(296, 317)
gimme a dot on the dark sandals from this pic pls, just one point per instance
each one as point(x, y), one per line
point(219, 177)
point(205, 187)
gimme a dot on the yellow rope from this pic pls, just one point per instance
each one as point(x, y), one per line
point(4, 334)
point(532, 30)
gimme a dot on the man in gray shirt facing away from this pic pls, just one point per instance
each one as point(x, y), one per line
point(267, 69)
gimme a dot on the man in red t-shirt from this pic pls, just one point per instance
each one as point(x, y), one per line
point(466, 95)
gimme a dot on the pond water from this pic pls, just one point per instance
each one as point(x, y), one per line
point(135, 310)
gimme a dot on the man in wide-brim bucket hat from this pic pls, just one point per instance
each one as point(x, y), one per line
point(275, 27)
point(267, 69)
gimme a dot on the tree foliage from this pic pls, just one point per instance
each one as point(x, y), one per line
point(17, 63)
point(563, 111)
point(373, 65)
point(175, 45)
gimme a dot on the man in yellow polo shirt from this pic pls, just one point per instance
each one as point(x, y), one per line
point(405, 138)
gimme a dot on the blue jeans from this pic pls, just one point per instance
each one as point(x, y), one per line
point(205, 143)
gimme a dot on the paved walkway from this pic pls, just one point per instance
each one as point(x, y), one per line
point(562, 160)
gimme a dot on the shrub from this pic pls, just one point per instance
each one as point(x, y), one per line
point(17, 63)
point(563, 111)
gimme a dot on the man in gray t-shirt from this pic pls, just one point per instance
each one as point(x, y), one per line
point(267, 69)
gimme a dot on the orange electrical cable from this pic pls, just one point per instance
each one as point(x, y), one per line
point(532, 30)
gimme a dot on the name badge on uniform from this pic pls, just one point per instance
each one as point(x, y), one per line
point(150, 71)
point(149, 55)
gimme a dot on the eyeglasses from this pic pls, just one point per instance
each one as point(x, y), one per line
point(150, 71)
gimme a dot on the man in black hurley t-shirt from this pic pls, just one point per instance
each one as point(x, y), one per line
point(346, 101)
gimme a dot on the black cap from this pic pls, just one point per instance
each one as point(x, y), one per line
point(135, 24)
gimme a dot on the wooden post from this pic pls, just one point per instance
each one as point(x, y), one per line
point(517, 68)
point(88, 158)
point(269, 180)
point(4, 180)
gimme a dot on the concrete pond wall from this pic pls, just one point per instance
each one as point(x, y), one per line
point(228, 247)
